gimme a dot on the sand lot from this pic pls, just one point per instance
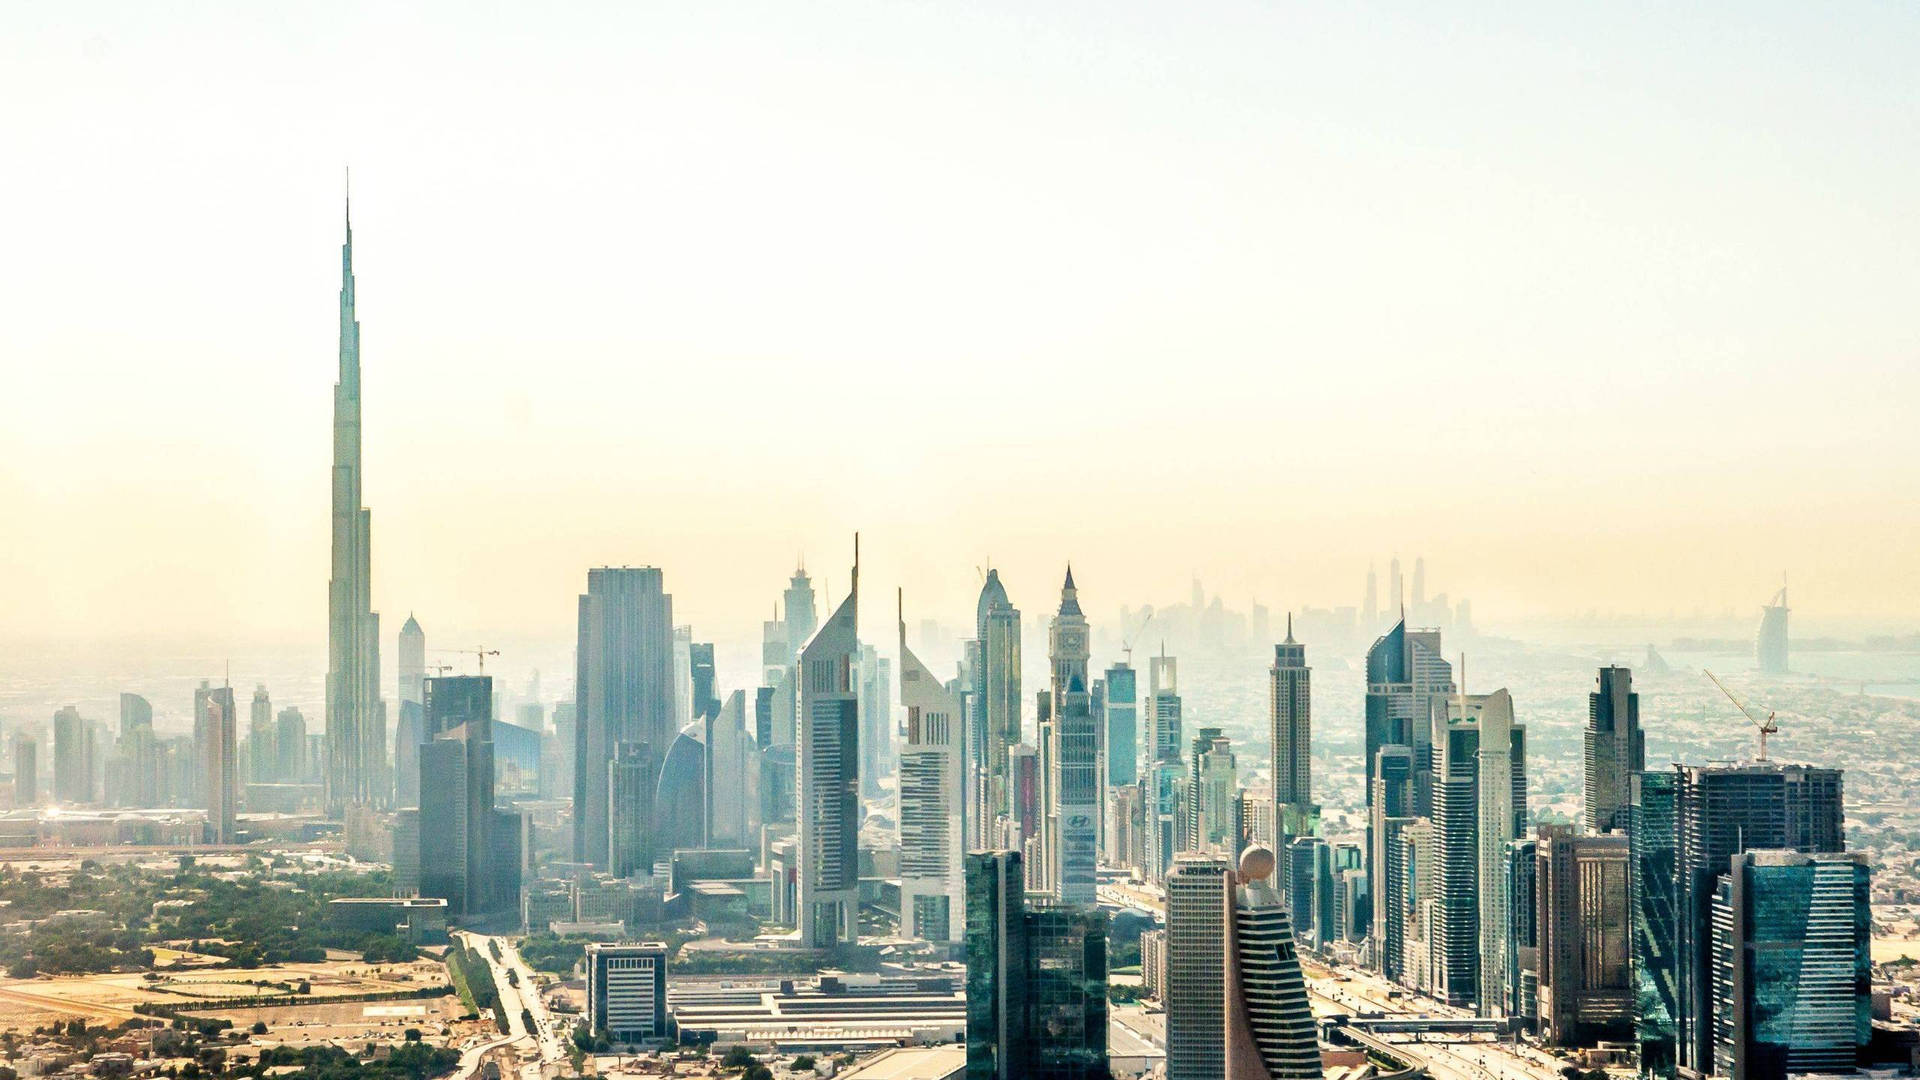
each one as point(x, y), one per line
point(111, 998)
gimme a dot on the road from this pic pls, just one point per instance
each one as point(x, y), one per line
point(1447, 1057)
point(536, 1050)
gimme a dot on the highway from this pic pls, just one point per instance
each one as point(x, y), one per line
point(536, 1050)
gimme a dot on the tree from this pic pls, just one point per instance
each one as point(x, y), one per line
point(259, 1027)
point(738, 1057)
point(803, 1063)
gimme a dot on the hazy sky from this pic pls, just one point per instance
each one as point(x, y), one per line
point(1598, 306)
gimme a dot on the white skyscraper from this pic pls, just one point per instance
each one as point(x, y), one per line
point(932, 805)
point(828, 804)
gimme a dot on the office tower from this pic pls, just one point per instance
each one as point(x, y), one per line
point(1163, 707)
point(290, 745)
point(135, 712)
point(627, 991)
point(1396, 589)
point(623, 693)
point(72, 772)
point(1297, 875)
point(706, 701)
point(1290, 711)
point(1523, 930)
point(1213, 784)
point(630, 783)
point(733, 777)
point(1615, 749)
point(1479, 807)
point(1720, 811)
point(1389, 808)
point(1120, 703)
point(262, 755)
point(1419, 582)
point(565, 727)
point(1414, 859)
point(1653, 798)
point(1791, 964)
point(413, 661)
point(218, 747)
point(1236, 1002)
point(1073, 794)
point(356, 718)
point(1407, 682)
point(997, 687)
point(801, 619)
point(1586, 982)
point(1770, 644)
point(875, 673)
point(444, 824)
point(409, 731)
point(26, 771)
point(1269, 1022)
point(1036, 980)
point(1199, 908)
point(828, 804)
point(681, 806)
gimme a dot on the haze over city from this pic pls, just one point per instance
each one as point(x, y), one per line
point(917, 541)
point(1599, 310)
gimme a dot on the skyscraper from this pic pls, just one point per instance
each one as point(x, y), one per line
point(26, 771)
point(1407, 683)
point(1586, 983)
point(1791, 964)
point(1072, 753)
point(801, 618)
point(218, 752)
point(413, 661)
point(1163, 707)
point(1199, 909)
point(1656, 972)
point(1720, 811)
point(624, 693)
point(1615, 749)
point(1121, 703)
point(1479, 798)
point(1073, 795)
point(1236, 1002)
point(828, 806)
point(1389, 807)
point(261, 752)
point(72, 772)
point(356, 719)
point(290, 745)
point(997, 690)
point(932, 805)
point(1290, 711)
point(1213, 782)
point(1036, 980)
point(135, 712)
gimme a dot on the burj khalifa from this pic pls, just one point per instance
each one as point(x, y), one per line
point(356, 717)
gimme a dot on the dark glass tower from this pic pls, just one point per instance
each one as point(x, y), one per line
point(1650, 838)
point(1719, 812)
point(1036, 980)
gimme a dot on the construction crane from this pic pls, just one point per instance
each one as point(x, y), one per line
point(479, 652)
point(1767, 727)
point(1126, 641)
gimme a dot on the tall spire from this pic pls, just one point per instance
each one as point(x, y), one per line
point(1290, 640)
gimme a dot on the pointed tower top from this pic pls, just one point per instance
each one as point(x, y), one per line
point(1069, 596)
point(1290, 640)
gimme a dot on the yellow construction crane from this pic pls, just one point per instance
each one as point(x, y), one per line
point(1767, 726)
point(479, 652)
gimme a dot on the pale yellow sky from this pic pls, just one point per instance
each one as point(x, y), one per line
point(1597, 309)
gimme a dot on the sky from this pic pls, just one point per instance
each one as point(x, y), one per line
point(1597, 307)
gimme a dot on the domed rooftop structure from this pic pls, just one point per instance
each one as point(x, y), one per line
point(1256, 863)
